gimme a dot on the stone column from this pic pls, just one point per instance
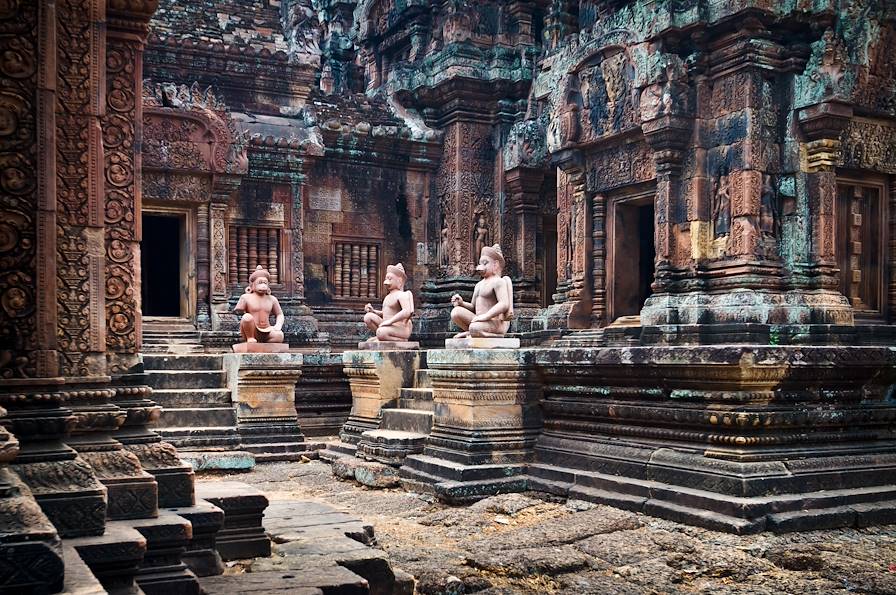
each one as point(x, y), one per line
point(599, 260)
point(203, 260)
point(487, 417)
point(376, 379)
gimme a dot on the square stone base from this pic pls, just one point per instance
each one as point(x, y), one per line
point(261, 348)
point(482, 343)
point(388, 345)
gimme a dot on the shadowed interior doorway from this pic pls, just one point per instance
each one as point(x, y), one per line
point(160, 265)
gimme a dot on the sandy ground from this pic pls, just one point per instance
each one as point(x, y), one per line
point(530, 543)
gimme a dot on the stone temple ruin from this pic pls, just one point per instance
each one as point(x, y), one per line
point(695, 200)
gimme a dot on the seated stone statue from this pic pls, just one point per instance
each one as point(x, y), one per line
point(393, 322)
point(490, 312)
point(258, 305)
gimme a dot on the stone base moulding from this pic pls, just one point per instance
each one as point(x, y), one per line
point(734, 438)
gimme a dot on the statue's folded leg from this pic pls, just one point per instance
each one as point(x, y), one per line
point(373, 321)
point(491, 328)
point(462, 318)
point(247, 328)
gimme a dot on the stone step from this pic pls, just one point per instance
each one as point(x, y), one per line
point(242, 535)
point(186, 379)
point(421, 379)
point(406, 420)
point(79, 580)
point(201, 556)
point(197, 416)
point(172, 349)
point(206, 362)
point(113, 557)
point(273, 448)
point(199, 437)
point(172, 398)
point(162, 571)
point(416, 398)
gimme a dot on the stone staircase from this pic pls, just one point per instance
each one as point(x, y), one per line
point(199, 418)
point(197, 413)
point(170, 335)
point(403, 430)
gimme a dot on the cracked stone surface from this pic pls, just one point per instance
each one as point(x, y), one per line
point(531, 543)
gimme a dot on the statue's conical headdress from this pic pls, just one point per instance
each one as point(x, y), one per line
point(494, 252)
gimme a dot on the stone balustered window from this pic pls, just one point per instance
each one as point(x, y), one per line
point(861, 248)
point(250, 247)
point(355, 270)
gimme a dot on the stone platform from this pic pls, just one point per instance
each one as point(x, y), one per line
point(388, 345)
point(261, 348)
point(482, 343)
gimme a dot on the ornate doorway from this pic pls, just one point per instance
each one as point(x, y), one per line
point(167, 269)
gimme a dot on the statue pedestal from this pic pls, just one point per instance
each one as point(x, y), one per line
point(376, 378)
point(263, 391)
point(485, 423)
point(482, 343)
point(261, 348)
point(388, 345)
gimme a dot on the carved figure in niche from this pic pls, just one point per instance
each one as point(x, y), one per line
point(490, 312)
point(721, 206)
point(258, 305)
point(443, 246)
point(480, 234)
point(393, 322)
point(769, 218)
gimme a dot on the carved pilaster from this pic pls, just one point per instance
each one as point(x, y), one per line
point(599, 259)
point(203, 259)
point(523, 186)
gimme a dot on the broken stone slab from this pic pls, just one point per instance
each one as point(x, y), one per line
point(227, 460)
point(482, 343)
point(310, 581)
point(242, 535)
point(290, 521)
point(388, 345)
point(368, 473)
point(261, 348)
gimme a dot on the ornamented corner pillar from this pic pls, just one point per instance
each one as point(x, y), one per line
point(572, 302)
point(30, 549)
point(822, 125)
point(131, 492)
point(376, 379)
point(174, 477)
point(523, 188)
point(599, 260)
point(667, 136)
point(220, 249)
point(262, 388)
point(486, 419)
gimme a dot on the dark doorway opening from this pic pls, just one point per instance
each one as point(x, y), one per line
point(160, 261)
point(633, 256)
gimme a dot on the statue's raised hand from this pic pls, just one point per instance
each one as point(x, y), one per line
point(456, 300)
point(368, 308)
